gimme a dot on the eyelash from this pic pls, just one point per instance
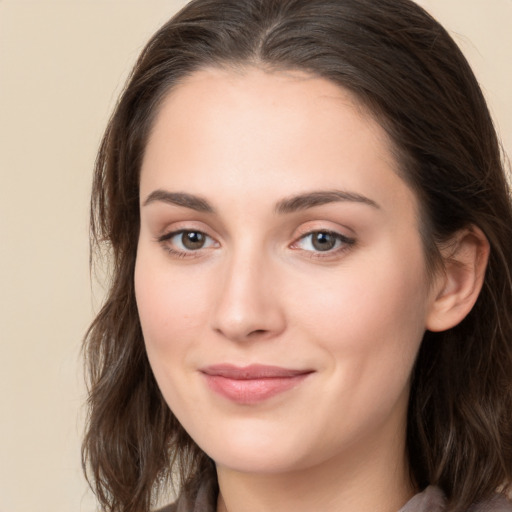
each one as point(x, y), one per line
point(346, 243)
point(190, 253)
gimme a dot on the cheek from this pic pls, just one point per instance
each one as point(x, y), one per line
point(171, 307)
point(370, 319)
point(365, 305)
point(172, 313)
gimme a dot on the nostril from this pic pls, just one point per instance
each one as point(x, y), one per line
point(257, 332)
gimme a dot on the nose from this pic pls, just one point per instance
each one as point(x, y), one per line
point(249, 304)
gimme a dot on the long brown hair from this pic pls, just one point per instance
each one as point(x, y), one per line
point(405, 68)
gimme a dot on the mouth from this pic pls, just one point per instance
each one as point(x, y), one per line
point(252, 384)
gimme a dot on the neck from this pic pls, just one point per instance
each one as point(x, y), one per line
point(373, 477)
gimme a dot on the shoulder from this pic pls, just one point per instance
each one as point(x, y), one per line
point(186, 502)
point(168, 508)
point(432, 500)
point(497, 504)
point(199, 495)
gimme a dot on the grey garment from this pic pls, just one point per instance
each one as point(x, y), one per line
point(197, 498)
point(433, 500)
point(430, 500)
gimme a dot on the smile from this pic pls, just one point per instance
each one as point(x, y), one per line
point(251, 384)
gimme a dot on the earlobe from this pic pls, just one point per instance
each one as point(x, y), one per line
point(459, 283)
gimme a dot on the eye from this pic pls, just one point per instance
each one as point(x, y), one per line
point(323, 241)
point(186, 240)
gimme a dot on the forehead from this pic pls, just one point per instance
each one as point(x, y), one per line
point(239, 127)
point(212, 92)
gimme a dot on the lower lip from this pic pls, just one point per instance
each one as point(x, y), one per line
point(251, 391)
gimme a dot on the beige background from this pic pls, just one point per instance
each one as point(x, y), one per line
point(62, 64)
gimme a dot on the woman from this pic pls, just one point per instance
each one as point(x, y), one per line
point(311, 240)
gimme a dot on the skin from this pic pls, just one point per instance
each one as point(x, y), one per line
point(259, 291)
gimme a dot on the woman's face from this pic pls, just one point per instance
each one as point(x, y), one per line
point(280, 276)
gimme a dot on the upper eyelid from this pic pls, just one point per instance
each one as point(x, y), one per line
point(180, 226)
point(315, 227)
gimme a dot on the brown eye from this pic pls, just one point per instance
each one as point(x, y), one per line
point(186, 241)
point(193, 240)
point(323, 241)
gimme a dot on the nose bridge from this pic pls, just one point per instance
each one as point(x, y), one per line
point(248, 302)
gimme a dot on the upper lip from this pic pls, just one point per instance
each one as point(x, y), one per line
point(253, 371)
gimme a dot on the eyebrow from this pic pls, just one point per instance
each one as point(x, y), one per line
point(318, 198)
point(288, 205)
point(180, 199)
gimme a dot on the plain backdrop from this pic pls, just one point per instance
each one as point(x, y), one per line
point(62, 65)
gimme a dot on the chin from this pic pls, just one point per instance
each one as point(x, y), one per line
point(258, 452)
point(257, 461)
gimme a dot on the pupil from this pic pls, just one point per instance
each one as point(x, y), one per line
point(323, 241)
point(192, 240)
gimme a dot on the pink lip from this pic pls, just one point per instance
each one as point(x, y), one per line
point(251, 384)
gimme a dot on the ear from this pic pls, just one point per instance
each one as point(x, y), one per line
point(458, 285)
